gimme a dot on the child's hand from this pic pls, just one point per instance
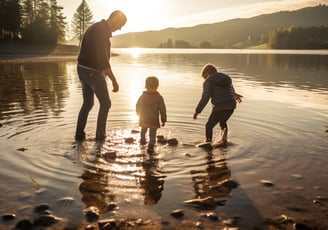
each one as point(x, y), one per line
point(163, 124)
point(238, 97)
point(195, 115)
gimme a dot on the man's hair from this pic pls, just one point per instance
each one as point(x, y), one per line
point(152, 83)
point(118, 16)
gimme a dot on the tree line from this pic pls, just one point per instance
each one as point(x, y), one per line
point(281, 38)
point(41, 21)
point(299, 38)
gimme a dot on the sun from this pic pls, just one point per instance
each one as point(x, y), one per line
point(141, 14)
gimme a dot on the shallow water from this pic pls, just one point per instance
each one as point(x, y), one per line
point(278, 133)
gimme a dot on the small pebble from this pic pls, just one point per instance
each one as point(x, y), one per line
point(267, 183)
point(129, 140)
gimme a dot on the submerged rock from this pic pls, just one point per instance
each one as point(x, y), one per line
point(267, 183)
point(42, 207)
point(129, 140)
point(227, 184)
point(8, 216)
point(46, 220)
point(91, 213)
point(110, 155)
point(178, 213)
point(300, 226)
point(172, 142)
point(161, 140)
point(24, 224)
point(111, 206)
point(202, 203)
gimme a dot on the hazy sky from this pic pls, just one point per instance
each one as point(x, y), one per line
point(158, 14)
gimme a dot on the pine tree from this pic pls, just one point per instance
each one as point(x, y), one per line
point(82, 19)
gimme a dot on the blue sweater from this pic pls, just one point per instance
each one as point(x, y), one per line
point(217, 87)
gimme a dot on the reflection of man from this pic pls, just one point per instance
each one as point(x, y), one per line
point(94, 190)
point(217, 171)
point(93, 66)
point(94, 187)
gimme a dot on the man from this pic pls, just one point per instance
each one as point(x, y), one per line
point(93, 67)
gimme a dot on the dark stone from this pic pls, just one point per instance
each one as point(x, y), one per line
point(107, 224)
point(172, 142)
point(46, 220)
point(91, 213)
point(267, 183)
point(230, 184)
point(110, 155)
point(8, 216)
point(40, 208)
point(203, 203)
point(178, 213)
point(24, 224)
point(129, 140)
point(22, 149)
point(111, 206)
point(212, 216)
point(161, 140)
point(300, 226)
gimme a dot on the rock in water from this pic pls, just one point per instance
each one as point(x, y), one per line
point(227, 184)
point(177, 213)
point(202, 203)
point(172, 142)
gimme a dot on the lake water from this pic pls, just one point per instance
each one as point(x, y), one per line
point(279, 133)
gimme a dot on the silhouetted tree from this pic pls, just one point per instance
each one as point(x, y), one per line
point(43, 22)
point(82, 19)
point(10, 19)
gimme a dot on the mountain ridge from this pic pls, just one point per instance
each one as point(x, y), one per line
point(229, 33)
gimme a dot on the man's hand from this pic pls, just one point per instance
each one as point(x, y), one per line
point(115, 86)
point(195, 115)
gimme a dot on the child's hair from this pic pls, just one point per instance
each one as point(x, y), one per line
point(152, 83)
point(208, 69)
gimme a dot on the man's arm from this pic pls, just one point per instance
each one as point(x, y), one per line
point(111, 76)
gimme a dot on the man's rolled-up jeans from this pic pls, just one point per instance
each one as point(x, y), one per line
point(93, 83)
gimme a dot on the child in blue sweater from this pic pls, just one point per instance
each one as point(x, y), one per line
point(217, 87)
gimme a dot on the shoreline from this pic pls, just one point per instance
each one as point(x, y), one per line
point(8, 59)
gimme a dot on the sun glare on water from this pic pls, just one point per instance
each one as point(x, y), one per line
point(135, 52)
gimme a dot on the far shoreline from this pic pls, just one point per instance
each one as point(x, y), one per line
point(7, 59)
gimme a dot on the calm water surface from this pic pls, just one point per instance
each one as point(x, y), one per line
point(278, 133)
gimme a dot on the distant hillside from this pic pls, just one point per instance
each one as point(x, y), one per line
point(228, 34)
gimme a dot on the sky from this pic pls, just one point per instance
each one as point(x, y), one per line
point(145, 15)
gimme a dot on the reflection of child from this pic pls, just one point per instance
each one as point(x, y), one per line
point(217, 87)
point(149, 106)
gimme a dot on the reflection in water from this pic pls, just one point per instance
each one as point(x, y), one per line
point(152, 182)
point(94, 188)
point(216, 172)
point(34, 90)
point(111, 167)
